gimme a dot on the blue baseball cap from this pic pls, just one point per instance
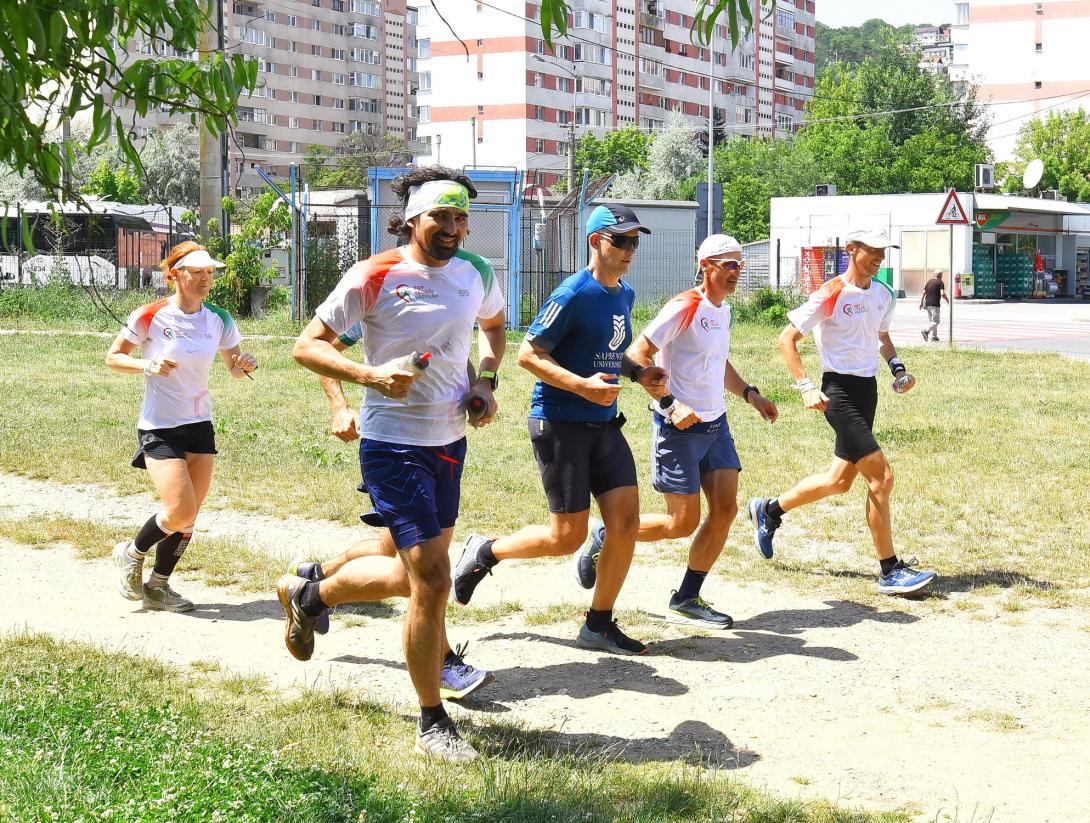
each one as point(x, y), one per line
point(614, 219)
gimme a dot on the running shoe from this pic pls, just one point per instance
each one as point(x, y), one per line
point(470, 570)
point(298, 626)
point(585, 561)
point(612, 640)
point(697, 612)
point(904, 578)
point(130, 581)
point(459, 679)
point(924, 333)
point(165, 599)
point(764, 527)
point(443, 742)
point(309, 570)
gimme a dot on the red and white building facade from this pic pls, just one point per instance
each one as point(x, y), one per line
point(511, 101)
point(1024, 56)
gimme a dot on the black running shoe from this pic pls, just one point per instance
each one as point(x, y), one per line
point(470, 570)
point(611, 640)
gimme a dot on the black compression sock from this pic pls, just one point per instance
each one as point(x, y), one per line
point(169, 551)
point(484, 554)
point(598, 621)
point(690, 585)
point(149, 535)
point(887, 564)
point(431, 715)
point(310, 601)
point(773, 510)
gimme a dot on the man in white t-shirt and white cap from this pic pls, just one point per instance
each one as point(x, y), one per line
point(691, 443)
point(850, 317)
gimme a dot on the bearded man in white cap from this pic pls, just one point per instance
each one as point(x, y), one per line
point(417, 305)
point(850, 317)
point(691, 444)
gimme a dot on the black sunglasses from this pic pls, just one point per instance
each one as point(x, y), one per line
point(623, 241)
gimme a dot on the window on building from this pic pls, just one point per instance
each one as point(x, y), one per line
point(539, 112)
point(539, 80)
point(316, 3)
point(423, 48)
point(315, 25)
point(338, 103)
point(1039, 48)
point(336, 79)
point(1036, 84)
point(423, 114)
point(337, 54)
point(270, 16)
point(294, 96)
point(364, 30)
point(316, 75)
point(411, 16)
point(539, 145)
point(480, 75)
point(315, 50)
point(337, 128)
point(338, 5)
point(293, 122)
point(338, 29)
point(425, 81)
point(292, 21)
point(961, 14)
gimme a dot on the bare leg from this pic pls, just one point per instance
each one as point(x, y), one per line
point(721, 489)
point(175, 488)
point(837, 479)
point(384, 546)
point(879, 476)
point(564, 534)
point(620, 510)
point(428, 566)
point(680, 520)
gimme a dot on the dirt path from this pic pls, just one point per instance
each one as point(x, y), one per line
point(957, 716)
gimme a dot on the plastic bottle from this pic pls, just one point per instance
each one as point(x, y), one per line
point(475, 407)
point(415, 363)
point(902, 382)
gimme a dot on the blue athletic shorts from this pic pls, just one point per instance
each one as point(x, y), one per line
point(416, 489)
point(679, 457)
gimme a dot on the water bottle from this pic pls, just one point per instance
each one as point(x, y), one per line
point(415, 363)
point(903, 382)
point(475, 407)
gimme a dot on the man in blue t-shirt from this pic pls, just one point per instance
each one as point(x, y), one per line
point(576, 349)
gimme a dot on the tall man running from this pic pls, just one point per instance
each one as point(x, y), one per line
point(422, 297)
point(691, 443)
point(369, 569)
point(848, 314)
point(576, 349)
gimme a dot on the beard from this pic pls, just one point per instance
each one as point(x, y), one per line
point(439, 251)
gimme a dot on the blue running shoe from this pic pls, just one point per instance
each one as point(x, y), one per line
point(612, 640)
point(585, 561)
point(764, 527)
point(311, 571)
point(459, 679)
point(470, 569)
point(904, 578)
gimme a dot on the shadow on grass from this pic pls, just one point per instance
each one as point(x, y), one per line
point(841, 614)
point(745, 647)
point(693, 741)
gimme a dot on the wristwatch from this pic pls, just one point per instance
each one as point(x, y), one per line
point(491, 376)
point(747, 390)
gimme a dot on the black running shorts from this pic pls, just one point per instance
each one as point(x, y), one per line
point(173, 443)
point(850, 411)
point(578, 460)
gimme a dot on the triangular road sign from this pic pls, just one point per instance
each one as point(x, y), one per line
point(952, 213)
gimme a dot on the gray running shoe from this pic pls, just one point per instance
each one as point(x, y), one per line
point(469, 571)
point(697, 612)
point(585, 561)
point(165, 599)
point(443, 742)
point(612, 640)
point(130, 581)
point(298, 627)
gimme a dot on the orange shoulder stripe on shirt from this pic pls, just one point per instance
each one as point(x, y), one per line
point(829, 292)
point(691, 300)
point(374, 273)
point(143, 319)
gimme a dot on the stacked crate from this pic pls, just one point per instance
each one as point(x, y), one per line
point(1015, 272)
point(983, 272)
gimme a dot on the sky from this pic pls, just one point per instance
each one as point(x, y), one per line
point(853, 12)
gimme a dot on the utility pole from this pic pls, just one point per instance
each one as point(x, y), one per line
point(473, 138)
point(211, 166)
point(711, 129)
point(571, 154)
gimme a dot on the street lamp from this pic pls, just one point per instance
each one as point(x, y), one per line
point(571, 124)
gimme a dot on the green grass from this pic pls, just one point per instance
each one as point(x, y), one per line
point(86, 735)
point(982, 450)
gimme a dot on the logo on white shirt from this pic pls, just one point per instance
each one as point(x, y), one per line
point(709, 324)
point(852, 309)
point(410, 293)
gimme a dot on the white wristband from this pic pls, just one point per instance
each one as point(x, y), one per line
point(804, 385)
point(147, 367)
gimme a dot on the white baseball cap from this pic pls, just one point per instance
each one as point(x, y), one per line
point(199, 259)
point(875, 238)
point(715, 245)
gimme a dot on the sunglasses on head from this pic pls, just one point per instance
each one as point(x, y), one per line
point(623, 241)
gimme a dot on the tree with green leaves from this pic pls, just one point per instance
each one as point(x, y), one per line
point(615, 152)
point(1060, 141)
point(117, 184)
point(852, 45)
point(65, 59)
point(346, 166)
point(672, 159)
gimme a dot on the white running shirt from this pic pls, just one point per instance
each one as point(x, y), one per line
point(846, 320)
point(692, 336)
point(405, 306)
point(161, 329)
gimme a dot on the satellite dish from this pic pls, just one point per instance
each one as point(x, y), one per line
point(1032, 175)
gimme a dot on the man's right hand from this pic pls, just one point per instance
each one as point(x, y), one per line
point(814, 399)
point(345, 425)
point(601, 388)
point(391, 382)
point(682, 416)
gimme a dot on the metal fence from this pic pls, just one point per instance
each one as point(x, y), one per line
point(337, 237)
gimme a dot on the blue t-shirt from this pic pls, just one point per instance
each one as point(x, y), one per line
point(586, 328)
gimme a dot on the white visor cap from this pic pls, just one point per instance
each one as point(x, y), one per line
point(199, 259)
point(875, 238)
point(717, 244)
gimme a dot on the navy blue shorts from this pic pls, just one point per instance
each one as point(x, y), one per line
point(680, 456)
point(416, 489)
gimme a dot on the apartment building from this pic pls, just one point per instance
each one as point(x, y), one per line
point(326, 69)
point(1024, 56)
point(936, 48)
point(499, 96)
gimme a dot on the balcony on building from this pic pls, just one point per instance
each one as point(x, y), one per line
point(784, 55)
point(251, 8)
point(652, 81)
point(652, 17)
